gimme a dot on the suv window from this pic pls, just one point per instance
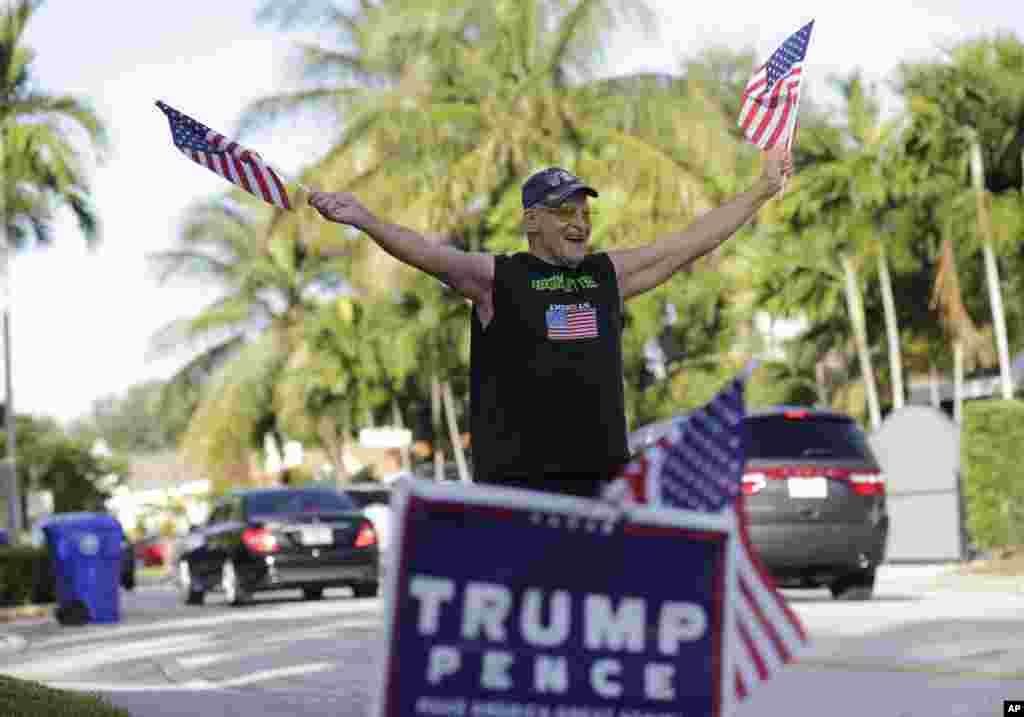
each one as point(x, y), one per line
point(778, 437)
point(300, 501)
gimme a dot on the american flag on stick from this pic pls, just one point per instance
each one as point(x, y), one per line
point(771, 100)
point(699, 466)
point(227, 158)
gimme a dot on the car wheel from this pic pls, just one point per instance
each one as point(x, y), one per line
point(365, 590)
point(188, 592)
point(234, 591)
point(854, 587)
point(313, 593)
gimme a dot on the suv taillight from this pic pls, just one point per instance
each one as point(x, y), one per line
point(868, 483)
point(366, 536)
point(753, 483)
point(260, 540)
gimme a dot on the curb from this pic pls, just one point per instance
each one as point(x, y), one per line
point(980, 583)
point(24, 612)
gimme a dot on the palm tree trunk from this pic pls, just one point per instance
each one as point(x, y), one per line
point(396, 419)
point(995, 294)
point(334, 441)
point(860, 335)
point(892, 329)
point(820, 383)
point(453, 432)
point(933, 384)
point(435, 415)
point(958, 381)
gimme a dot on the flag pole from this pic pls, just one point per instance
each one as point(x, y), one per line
point(292, 180)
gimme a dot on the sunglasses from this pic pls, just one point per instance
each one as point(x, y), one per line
point(569, 212)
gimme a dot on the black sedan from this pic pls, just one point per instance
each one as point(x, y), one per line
point(276, 539)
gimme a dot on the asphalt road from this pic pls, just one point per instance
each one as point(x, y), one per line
point(920, 648)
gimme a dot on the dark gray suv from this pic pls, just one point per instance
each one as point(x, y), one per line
point(815, 497)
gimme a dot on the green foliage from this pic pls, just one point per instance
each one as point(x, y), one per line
point(25, 576)
point(25, 698)
point(444, 108)
point(139, 421)
point(992, 434)
point(44, 166)
point(50, 459)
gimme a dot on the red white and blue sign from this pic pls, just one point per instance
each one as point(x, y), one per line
point(522, 604)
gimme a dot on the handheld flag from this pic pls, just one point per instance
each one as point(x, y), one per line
point(771, 98)
point(226, 158)
point(699, 466)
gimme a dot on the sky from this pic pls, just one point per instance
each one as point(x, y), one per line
point(82, 320)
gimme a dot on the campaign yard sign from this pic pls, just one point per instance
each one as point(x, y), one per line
point(510, 603)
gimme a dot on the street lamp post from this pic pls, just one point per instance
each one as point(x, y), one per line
point(9, 465)
point(10, 470)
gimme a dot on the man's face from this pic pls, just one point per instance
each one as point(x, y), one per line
point(562, 232)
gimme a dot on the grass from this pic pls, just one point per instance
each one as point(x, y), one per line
point(23, 698)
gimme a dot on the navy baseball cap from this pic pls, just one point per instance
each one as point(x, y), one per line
point(550, 187)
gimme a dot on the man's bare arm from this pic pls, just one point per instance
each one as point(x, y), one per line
point(469, 273)
point(643, 268)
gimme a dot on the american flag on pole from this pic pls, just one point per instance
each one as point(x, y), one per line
point(699, 466)
point(226, 158)
point(771, 99)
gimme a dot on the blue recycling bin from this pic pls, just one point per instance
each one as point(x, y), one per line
point(86, 552)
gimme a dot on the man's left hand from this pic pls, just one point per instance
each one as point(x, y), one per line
point(777, 167)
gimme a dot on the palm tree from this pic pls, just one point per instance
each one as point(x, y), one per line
point(353, 360)
point(239, 344)
point(446, 109)
point(979, 91)
point(817, 225)
point(872, 165)
point(42, 138)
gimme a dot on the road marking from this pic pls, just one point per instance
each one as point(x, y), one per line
point(89, 658)
point(196, 661)
point(194, 686)
point(11, 643)
point(873, 666)
point(329, 609)
point(263, 675)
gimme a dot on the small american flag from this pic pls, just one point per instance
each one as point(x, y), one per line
point(568, 321)
point(772, 97)
point(699, 466)
point(226, 158)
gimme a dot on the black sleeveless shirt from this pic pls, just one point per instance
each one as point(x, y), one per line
point(546, 387)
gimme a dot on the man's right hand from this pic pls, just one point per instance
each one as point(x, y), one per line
point(341, 207)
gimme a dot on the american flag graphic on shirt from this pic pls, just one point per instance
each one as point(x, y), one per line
point(566, 322)
point(699, 466)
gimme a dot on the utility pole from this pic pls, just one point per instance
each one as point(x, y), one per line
point(9, 465)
